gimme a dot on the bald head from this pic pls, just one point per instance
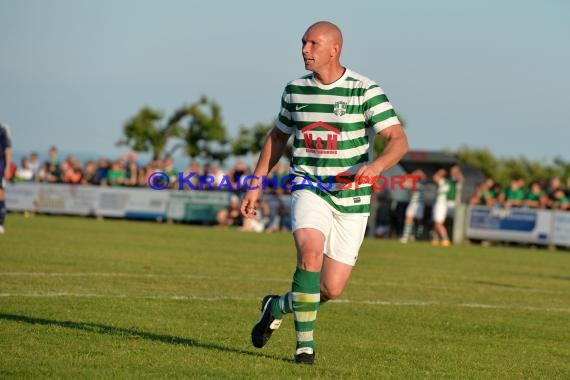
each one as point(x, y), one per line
point(329, 31)
point(322, 44)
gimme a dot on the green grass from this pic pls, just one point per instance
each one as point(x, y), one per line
point(81, 298)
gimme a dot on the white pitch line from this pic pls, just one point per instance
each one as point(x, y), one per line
point(267, 279)
point(412, 303)
point(96, 274)
point(124, 296)
point(137, 275)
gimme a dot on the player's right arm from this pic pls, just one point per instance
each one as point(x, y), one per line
point(6, 142)
point(271, 153)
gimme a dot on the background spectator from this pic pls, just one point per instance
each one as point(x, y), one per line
point(484, 194)
point(116, 175)
point(24, 172)
point(513, 195)
point(535, 197)
point(35, 164)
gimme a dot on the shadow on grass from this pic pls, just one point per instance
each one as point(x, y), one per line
point(128, 333)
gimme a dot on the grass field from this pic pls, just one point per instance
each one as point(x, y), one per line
point(81, 298)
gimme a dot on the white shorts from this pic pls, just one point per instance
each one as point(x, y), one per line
point(439, 212)
point(343, 232)
point(415, 210)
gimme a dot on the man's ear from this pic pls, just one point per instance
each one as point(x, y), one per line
point(335, 50)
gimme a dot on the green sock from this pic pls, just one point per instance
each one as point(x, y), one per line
point(282, 305)
point(419, 231)
point(306, 295)
point(408, 230)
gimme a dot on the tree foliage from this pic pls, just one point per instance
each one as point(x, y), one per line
point(250, 140)
point(503, 170)
point(479, 158)
point(205, 135)
point(143, 132)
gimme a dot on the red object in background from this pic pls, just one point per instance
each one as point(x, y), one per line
point(12, 172)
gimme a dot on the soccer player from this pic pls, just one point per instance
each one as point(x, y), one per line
point(415, 209)
point(439, 212)
point(333, 113)
point(5, 162)
point(455, 182)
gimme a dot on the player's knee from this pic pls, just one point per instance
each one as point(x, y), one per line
point(310, 261)
point(330, 292)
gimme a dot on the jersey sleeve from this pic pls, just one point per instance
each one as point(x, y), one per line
point(284, 120)
point(378, 110)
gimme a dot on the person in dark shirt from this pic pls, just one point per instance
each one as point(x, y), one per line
point(5, 164)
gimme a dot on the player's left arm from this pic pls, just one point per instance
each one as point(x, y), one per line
point(8, 162)
point(396, 147)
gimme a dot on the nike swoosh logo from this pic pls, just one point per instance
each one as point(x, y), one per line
point(298, 107)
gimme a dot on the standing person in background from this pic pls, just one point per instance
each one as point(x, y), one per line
point(415, 209)
point(5, 164)
point(455, 182)
point(535, 197)
point(169, 169)
point(513, 196)
point(35, 164)
point(440, 209)
point(53, 156)
point(484, 194)
point(561, 202)
point(132, 169)
point(554, 185)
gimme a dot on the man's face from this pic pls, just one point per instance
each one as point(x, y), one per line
point(455, 171)
point(317, 49)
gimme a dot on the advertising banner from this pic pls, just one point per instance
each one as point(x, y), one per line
point(21, 197)
point(132, 203)
point(197, 206)
point(52, 198)
point(561, 229)
point(514, 224)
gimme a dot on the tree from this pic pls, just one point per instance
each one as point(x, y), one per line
point(144, 134)
point(250, 140)
point(503, 170)
point(206, 134)
point(563, 167)
point(479, 158)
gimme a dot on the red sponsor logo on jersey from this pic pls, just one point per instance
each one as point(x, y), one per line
point(320, 138)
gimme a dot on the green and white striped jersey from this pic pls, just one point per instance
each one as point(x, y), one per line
point(334, 127)
point(417, 195)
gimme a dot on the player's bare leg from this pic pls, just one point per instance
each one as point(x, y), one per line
point(2, 208)
point(303, 300)
point(441, 231)
point(408, 229)
point(305, 293)
point(310, 244)
point(334, 276)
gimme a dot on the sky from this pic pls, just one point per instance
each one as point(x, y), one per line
point(486, 74)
